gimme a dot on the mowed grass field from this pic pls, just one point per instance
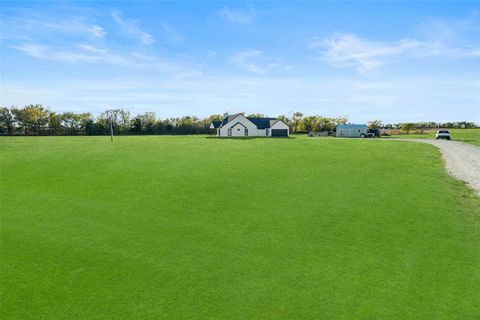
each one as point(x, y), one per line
point(198, 228)
point(471, 136)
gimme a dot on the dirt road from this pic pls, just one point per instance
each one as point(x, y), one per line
point(462, 160)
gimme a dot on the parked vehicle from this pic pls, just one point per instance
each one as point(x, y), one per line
point(371, 133)
point(443, 134)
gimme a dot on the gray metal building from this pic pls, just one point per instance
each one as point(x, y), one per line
point(352, 130)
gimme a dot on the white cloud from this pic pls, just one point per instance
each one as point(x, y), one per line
point(433, 38)
point(48, 53)
point(237, 16)
point(97, 31)
point(91, 48)
point(255, 62)
point(348, 50)
point(79, 25)
point(25, 28)
point(131, 27)
point(245, 60)
point(87, 53)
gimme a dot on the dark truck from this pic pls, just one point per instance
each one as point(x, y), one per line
point(371, 133)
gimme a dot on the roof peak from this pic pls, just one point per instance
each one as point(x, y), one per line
point(260, 123)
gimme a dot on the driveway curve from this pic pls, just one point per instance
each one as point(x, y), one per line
point(461, 160)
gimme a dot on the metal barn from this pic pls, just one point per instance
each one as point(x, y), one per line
point(352, 130)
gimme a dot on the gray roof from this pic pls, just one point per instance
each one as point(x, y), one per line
point(229, 118)
point(352, 126)
point(261, 123)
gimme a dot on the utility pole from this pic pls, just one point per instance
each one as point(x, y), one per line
point(111, 128)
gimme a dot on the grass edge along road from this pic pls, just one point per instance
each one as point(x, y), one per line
point(188, 227)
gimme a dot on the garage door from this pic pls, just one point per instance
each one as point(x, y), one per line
point(279, 133)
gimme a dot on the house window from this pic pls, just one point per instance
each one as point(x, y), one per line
point(246, 132)
point(229, 132)
point(266, 132)
point(358, 130)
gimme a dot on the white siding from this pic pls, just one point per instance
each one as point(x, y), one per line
point(279, 125)
point(240, 123)
point(238, 130)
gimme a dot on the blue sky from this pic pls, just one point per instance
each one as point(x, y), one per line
point(395, 61)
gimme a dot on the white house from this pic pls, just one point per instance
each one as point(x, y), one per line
point(237, 125)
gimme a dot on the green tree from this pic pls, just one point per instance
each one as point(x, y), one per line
point(214, 117)
point(309, 123)
point(407, 127)
point(284, 118)
point(297, 121)
point(143, 121)
point(119, 118)
point(71, 122)
point(85, 120)
point(55, 123)
point(91, 127)
point(375, 124)
point(32, 118)
point(186, 125)
point(341, 120)
point(325, 124)
point(256, 115)
point(7, 122)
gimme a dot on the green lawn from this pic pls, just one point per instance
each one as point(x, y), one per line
point(197, 228)
point(471, 136)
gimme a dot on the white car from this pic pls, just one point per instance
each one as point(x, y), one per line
point(443, 134)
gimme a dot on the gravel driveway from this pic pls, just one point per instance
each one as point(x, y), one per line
point(462, 160)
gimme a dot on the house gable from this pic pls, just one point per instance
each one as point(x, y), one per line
point(279, 124)
point(239, 118)
point(238, 124)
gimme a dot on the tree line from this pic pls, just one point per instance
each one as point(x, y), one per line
point(39, 120)
point(431, 125)
point(36, 119)
point(408, 127)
